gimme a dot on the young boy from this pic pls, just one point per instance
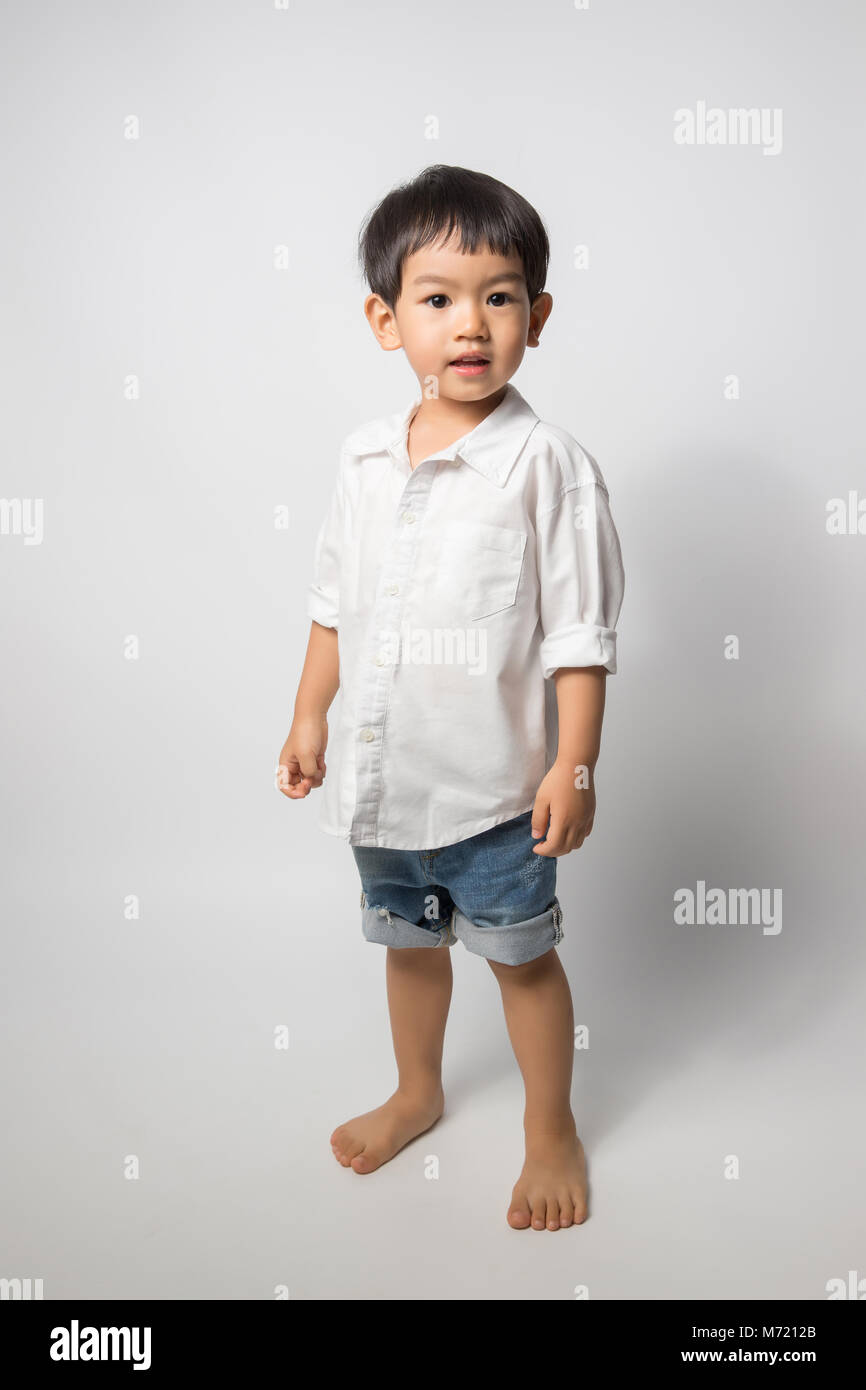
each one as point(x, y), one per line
point(471, 568)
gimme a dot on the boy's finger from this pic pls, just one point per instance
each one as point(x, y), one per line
point(295, 792)
point(553, 844)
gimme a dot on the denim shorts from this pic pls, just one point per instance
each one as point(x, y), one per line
point(490, 892)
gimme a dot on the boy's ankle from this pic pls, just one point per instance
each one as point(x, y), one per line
point(421, 1089)
point(548, 1125)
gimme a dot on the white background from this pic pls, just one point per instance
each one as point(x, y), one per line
point(154, 258)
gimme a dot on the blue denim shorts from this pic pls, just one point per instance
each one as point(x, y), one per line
point(490, 892)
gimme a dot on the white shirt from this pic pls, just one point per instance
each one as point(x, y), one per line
point(457, 589)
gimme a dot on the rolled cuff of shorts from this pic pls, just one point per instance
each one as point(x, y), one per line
point(321, 609)
point(387, 928)
point(515, 943)
point(582, 644)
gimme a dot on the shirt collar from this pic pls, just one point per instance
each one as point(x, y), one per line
point(492, 447)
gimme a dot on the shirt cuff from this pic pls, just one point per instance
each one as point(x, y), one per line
point(321, 609)
point(582, 644)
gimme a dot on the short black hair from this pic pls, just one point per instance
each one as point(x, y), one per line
point(485, 212)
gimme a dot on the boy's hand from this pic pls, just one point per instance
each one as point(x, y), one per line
point(571, 809)
point(302, 760)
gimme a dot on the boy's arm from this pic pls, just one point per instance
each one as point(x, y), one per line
point(580, 693)
point(567, 795)
point(302, 758)
point(581, 589)
point(320, 678)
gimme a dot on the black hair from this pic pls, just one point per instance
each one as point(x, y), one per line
point(485, 212)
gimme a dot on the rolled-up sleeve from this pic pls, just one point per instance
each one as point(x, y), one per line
point(323, 594)
point(581, 579)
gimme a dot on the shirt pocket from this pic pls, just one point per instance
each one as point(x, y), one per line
point(479, 566)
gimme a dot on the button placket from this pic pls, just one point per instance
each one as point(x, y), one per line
point(379, 672)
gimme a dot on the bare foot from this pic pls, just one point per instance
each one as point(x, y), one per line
point(369, 1140)
point(552, 1188)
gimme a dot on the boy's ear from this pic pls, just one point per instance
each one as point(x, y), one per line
point(383, 322)
point(538, 316)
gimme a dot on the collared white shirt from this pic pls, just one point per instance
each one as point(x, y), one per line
point(457, 589)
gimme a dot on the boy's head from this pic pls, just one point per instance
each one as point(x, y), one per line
point(456, 263)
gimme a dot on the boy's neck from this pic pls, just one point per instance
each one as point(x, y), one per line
point(439, 421)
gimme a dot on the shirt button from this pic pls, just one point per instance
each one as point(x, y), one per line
point(409, 517)
point(393, 589)
point(367, 735)
point(380, 660)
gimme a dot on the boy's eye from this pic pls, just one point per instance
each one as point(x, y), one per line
point(497, 294)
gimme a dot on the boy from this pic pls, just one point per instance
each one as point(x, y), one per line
point(471, 567)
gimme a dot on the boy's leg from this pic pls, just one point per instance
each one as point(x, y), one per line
point(419, 982)
point(552, 1188)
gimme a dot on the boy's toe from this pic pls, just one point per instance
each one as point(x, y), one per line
point(553, 1214)
point(539, 1213)
point(351, 1148)
point(519, 1215)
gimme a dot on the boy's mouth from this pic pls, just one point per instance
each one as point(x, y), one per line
point(470, 364)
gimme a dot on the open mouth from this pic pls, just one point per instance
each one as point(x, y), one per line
point(471, 363)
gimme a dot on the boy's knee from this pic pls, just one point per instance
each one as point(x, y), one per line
point(523, 972)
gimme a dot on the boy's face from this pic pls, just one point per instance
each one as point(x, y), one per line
point(453, 304)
